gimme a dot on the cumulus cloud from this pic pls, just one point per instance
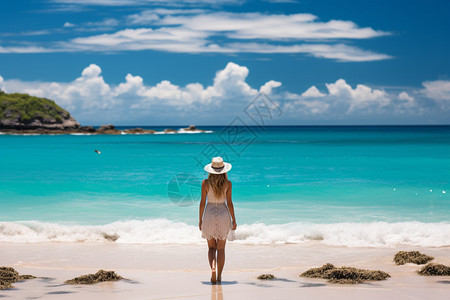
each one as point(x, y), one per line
point(313, 92)
point(1, 84)
point(269, 86)
point(342, 100)
point(405, 96)
point(360, 97)
point(438, 90)
point(92, 100)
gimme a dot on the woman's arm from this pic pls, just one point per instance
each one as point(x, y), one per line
point(202, 204)
point(231, 207)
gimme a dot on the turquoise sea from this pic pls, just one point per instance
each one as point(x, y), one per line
point(344, 185)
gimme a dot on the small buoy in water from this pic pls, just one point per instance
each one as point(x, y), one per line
point(267, 185)
point(97, 151)
point(431, 190)
point(443, 192)
point(394, 189)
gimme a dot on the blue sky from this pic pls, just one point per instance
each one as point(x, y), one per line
point(158, 62)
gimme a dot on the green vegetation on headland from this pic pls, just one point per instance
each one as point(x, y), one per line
point(25, 114)
point(22, 111)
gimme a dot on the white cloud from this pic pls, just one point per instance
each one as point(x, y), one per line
point(149, 16)
point(133, 85)
point(269, 86)
point(140, 2)
point(143, 18)
point(105, 23)
point(405, 96)
point(313, 92)
point(361, 97)
point(340, 100)
point(92, 100)
point(272, 27)
point(438, 90)
point(178, 39)
point(68, 25)
point(203, 31)
point(1, 84)
point(166, 39)
point(25, 49)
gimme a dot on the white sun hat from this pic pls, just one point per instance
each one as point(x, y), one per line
point(217, 166)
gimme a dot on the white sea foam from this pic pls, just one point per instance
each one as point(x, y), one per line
point(193, 131)
point(163, 231)
point(183, 131)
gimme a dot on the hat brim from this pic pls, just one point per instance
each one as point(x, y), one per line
point(208, 168)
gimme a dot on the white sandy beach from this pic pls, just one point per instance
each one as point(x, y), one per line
point(181, 271)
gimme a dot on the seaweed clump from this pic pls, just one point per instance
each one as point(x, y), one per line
point(100, 276)
point(9, 275)
point(266, 276)
point(415, 257)
point(433, 269)
point(345, 275)
point(318, 272)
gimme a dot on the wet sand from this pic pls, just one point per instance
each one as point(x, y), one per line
point(182, 271)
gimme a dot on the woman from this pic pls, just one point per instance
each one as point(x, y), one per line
point(215, 222)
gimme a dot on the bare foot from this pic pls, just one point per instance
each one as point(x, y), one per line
point(219, 278)
point(213, 276)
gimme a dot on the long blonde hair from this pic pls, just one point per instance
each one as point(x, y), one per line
point(218, 183)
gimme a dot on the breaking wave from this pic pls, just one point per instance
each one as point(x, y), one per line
point(163, 231)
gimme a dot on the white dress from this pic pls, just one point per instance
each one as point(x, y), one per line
point(216, 218)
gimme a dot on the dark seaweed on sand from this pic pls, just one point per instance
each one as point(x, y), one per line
point(415, 257)
point(266, 276)
point(345, 275)
point(318, 272)
point(8, 276)
point(433, 269)
point(100, 276)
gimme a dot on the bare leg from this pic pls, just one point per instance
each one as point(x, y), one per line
point(220, 258)
point(212, 247)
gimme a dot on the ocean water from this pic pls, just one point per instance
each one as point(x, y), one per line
point(377, 186)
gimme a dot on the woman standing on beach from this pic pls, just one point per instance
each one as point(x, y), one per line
point(215, 222)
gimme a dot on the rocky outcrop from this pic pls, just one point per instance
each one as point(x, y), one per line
point(139, 131)
point(24, 112)
point(169, 130)
point(87, 129)
point(108, 129)
point(192, 128)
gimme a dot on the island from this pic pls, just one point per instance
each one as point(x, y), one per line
point(25, 114)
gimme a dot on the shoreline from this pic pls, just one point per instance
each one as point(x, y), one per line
point(90, 130)
point(174, 270)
